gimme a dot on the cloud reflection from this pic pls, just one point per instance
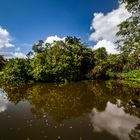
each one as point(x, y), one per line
point(113, 120)
point(3, 101)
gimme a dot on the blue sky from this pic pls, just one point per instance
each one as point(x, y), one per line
point(27, 21)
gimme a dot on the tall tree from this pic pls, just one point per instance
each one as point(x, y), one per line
point(64, 60)
point(38, 47)
point(2, 62)
point(130, 29)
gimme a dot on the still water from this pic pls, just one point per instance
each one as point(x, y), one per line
point(76, 111)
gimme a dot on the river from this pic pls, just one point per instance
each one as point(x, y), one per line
point(87, 110)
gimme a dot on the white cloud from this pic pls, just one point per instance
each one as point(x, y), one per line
point(5, 45)
point(51, 39)
point(5, 39)
point(106, 26)
point(113, 120)
point(110, 46)
point(19, 55)
point(9, 55)
point(17, 49)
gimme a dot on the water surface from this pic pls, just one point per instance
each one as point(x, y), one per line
point(77, 111)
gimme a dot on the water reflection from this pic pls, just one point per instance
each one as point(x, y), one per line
point(3, 101)
point(61, 102)
point(63, 111)
point(114, 120)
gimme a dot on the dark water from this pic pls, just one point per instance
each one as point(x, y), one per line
point(76, 111)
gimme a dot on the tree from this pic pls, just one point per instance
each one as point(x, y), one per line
point(130, 29)
point(39, 47)
point(17, 71)
point(99, 68)
point(64, 60)
point(30, 55)
point(106, 66)
point(100, 54)
point(2, 62)
point(133, 61)
point(72, 40)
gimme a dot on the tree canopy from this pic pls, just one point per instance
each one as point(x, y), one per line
point(64, 60)
point(2, 62)
point(130, 28)
point(72, 60)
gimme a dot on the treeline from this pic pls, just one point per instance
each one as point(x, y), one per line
point(61, 61)
point(68, 60)
point(72, 60)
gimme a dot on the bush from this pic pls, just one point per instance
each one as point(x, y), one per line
point(132, 75)
point(16, 72)
point(63, 61)
point(111, 74)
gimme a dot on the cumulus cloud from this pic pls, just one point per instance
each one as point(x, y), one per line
point(17, 49)
point(19, 55)
point(5, 39)
point(113, 120)
point(110, 46)
point(9, 55)
point(105, 27)
point(5, 45)
point(51, 39)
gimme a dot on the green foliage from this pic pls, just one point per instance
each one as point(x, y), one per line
point(74, 99)
point(133, 61)
point(70, 60)
point(132, 75)
point(16, 72)
point(111, 74)
point(99, 57)
point(109, 67)
point(99, 71)
point(130, 29)
point(39, 47)
point(63, 61)
point(30, 55)
point(100, 54)
point(2, 62)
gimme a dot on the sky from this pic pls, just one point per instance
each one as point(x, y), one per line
point(24, 22)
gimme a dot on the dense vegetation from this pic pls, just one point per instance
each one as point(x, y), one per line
point(61, 61)
point(2, 62)
point(72, 60)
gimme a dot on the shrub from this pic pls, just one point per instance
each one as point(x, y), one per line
point(16, 72)
point(132, 75)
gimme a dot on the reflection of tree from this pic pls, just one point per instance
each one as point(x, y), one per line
point(61, 102)
point(74, 99)
point(15, 95)
point(114, 92)
point(135, 133)
point(131, 109)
